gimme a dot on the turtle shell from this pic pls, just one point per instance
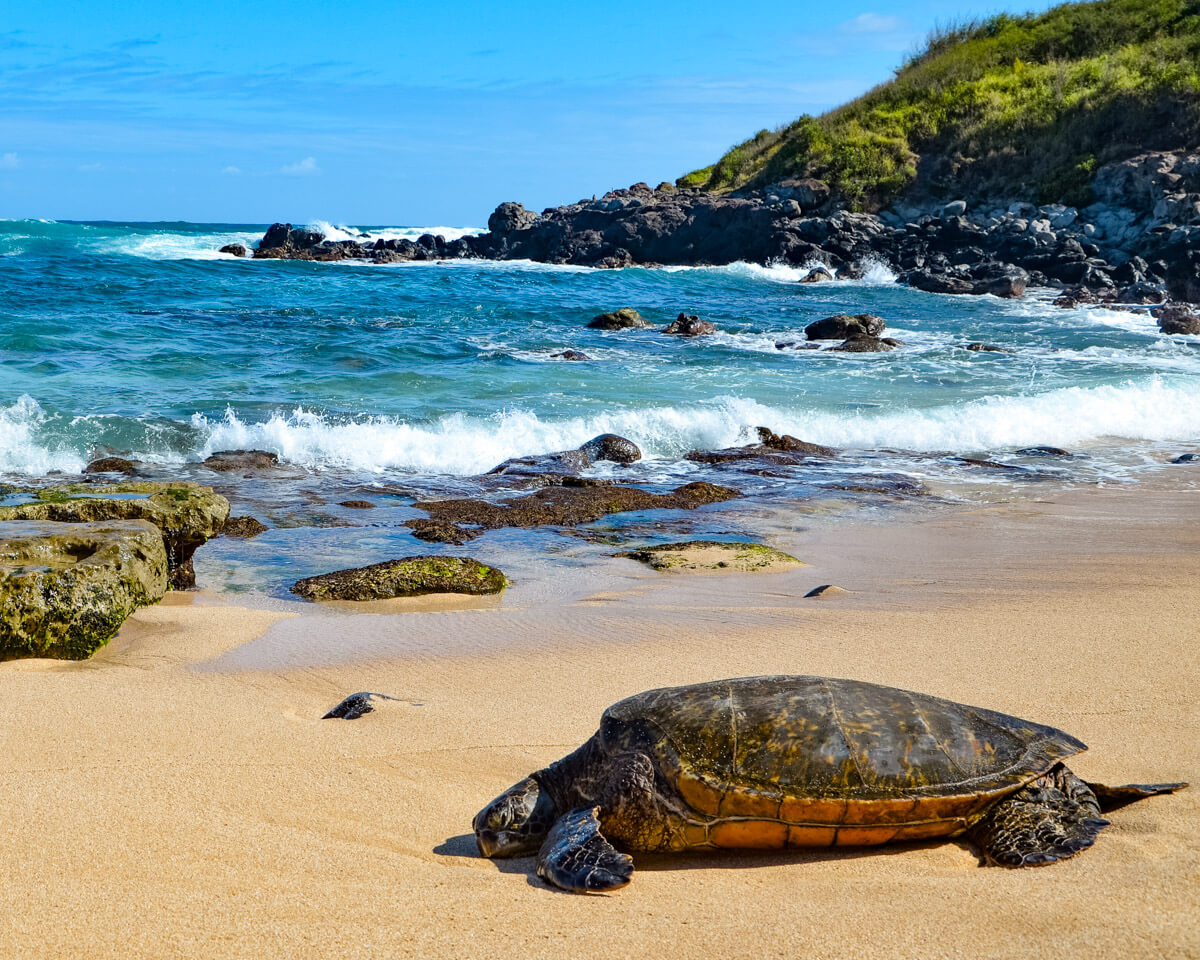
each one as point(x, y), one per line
point(801, 761)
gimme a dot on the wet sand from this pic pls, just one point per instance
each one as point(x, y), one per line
point(177, 796)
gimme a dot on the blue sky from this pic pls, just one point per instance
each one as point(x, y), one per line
point(389, 112)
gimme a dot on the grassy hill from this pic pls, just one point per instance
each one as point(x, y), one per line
point(1012, 106)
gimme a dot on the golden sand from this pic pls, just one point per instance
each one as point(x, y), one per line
point(177, 796)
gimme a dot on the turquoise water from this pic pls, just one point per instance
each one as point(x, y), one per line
point(140, 340)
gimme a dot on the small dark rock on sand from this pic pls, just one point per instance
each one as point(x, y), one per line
point(624, 319)
point(243, 528)
point(826, 590)
point(689, 325)
point(406, 577)
point(356, 705)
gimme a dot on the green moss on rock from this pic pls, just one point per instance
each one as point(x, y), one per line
point(66, 588)
point(186, 513)
point(407, 577)
point(713, 555)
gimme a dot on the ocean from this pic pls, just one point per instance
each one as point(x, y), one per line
point(402, 381)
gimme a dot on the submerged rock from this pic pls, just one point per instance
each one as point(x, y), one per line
point(357, 504)
point(986, 348)
point(66, 588)
point(624, 319)
point(689, 325)
point(558, 506)
point(406, 577)
point(186, 513)
point(713, 555)
point(1044, 452)
point(243, 528)
point(576, 355)
point(867, 344)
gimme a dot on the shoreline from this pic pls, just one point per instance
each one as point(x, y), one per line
point(177, 796)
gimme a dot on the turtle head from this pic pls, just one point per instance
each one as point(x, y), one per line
point(516, 822)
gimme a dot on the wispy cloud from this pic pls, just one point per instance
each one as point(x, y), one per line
point(874, 23)
point(231, 171)
point(9, 161)
point(304, 168)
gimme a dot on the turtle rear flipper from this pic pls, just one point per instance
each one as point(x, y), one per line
point(1049, 819)
point(576, 857)
point(1112, 798)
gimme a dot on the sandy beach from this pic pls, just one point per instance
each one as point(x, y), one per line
point(178, 795)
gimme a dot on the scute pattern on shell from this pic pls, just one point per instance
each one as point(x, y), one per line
point(842, 751)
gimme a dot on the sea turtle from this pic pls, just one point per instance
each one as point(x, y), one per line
point(794, 761)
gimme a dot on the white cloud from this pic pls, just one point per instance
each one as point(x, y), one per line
point(873, 23)
point(9, 161)
point(231, 171)
point(88, 167)
point(305, 168)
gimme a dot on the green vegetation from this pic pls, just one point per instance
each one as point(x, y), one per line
point(1012, 106)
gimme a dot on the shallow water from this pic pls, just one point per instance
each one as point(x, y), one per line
point(380, 382)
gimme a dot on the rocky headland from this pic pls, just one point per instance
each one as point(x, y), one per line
point(1137, 243)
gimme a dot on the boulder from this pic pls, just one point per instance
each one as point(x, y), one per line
point(406, 577)
point(112, 465)
point(789, 444)
point(609, 446)
point(357, 504)
point(66, 588)
point(185, 513)
point(842, 327)
point(817, 275)
point(624, 319)
point(689, 325)
point(1177, 319)
point(510, 217)
point(574, 355)
point(226, 460)
point(235, 249)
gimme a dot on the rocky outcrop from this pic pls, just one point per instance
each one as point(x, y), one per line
point(66, 588)
point(112, 465)
point(607, 446)
point(689, 325)
point(559, 506)
point(1139, 241)
point(1177, 319)
point(186, 514)
point(251, 460)
point(863, 343)
point(407, 577)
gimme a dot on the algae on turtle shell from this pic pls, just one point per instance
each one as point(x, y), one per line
point(714, 555)
point(186, 513)
point(407, 577)
point(66, 588)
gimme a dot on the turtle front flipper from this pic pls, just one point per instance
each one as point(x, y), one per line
point(1112, 798)
point(576, 857)
point(1050, 818)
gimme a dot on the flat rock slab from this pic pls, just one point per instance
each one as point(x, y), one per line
point(407, 577)
point(713, 556)
point(187, 514)
point(66, 588)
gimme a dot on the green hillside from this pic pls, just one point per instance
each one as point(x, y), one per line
point(1011, 106)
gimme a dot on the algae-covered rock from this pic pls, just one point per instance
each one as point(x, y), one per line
point(407, 577)
point(713, 556)
point(65, 588)
point(186, 513)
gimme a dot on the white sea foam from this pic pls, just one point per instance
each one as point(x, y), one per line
point(371, 234)
point(172, 245)
point(779, 272)
point(1150, 410)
